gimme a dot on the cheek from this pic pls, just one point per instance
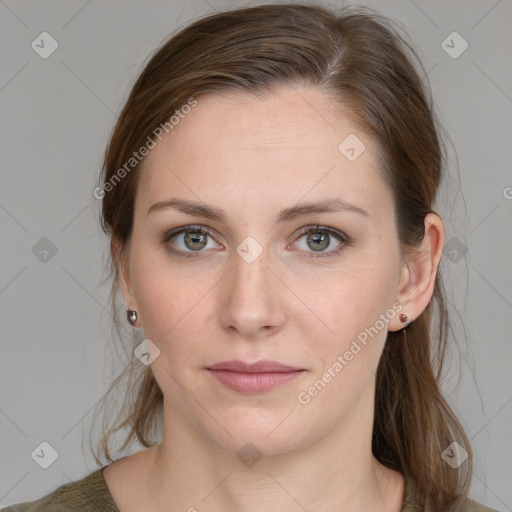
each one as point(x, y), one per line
point(346, 357)
point(354, 307)
point(168, 300)
point(353, 299)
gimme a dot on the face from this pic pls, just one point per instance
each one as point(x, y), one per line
point(263, 280)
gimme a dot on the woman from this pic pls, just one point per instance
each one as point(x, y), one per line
point(268, 192)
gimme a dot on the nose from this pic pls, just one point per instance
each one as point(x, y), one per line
point(252, 298)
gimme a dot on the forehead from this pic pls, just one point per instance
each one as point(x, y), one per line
point(239, 145)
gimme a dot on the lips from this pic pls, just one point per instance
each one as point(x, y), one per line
point(258, 367)
point(253, 377)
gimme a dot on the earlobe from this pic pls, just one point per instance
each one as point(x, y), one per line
point(419, 273)
point(402, 318)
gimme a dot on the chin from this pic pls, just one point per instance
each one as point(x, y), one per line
point(254, 431)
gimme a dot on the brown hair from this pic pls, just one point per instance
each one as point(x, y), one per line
point(360, 59)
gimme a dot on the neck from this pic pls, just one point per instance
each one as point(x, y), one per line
point(337, 473)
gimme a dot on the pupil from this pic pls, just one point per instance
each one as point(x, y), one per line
point(195, 238)
point(319, 237)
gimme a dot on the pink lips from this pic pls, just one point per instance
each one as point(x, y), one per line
point(253, 377)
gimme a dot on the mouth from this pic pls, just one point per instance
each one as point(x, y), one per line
point(253, 377)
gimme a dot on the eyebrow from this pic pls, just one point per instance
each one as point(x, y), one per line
point(286, 215)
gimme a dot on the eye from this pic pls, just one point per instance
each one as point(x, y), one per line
point(189, 240)
point(320, 238)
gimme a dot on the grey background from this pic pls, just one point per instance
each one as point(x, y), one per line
point(56, 116)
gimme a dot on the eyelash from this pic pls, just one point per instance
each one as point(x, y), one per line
point(344, 239)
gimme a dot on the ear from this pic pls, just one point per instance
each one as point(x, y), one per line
point(122, 262)
point(419, 272)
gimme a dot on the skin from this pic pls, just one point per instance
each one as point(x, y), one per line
point(253, 157)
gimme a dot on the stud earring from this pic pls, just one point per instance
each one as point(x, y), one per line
point(132, 316)
point(404, 318)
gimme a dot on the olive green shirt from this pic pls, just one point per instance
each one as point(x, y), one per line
point(91, 494)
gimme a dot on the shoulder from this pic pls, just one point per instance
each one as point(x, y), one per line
point(412, 504)
point(90, 494)
point(473, 506)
